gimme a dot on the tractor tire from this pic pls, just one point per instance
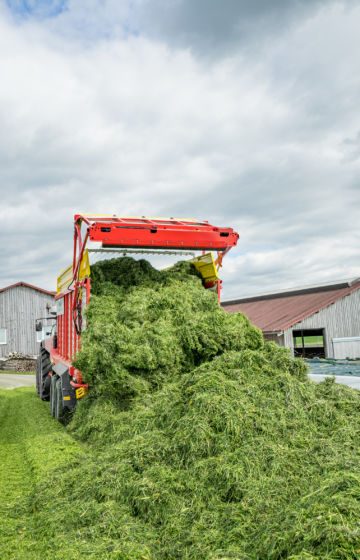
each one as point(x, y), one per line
point(37, 377)
point(53, 381)
point(61, 413)
point(43, 376)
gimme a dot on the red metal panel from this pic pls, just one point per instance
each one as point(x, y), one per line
point(68, 325)
point(61, 335)
point(64, 330)
point(160, 235)
point(61, 340)
point(70, 330)
point(66, 322)
point(73, 333)
point(68, 339)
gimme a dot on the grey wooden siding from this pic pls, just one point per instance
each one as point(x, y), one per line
point(278, 339)
point(19, 307)
point(341, 319)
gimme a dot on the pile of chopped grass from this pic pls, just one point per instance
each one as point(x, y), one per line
point(154, 329)
point(206, 442)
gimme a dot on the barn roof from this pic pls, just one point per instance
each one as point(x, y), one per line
point(274, 313)
point(27, 285)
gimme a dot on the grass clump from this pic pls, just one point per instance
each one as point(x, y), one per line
point(155, 328)
point(234, 459)
point(214, 443)
point(204, 442)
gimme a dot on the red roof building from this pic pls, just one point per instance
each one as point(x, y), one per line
point(315, 321)
point(27, 285)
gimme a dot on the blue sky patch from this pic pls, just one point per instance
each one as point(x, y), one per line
point(37, 8)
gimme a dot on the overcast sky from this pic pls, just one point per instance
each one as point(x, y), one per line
point(242, 112)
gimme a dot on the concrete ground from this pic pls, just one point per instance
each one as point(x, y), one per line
point(14, 380)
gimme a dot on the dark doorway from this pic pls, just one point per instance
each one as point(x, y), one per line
point(309, 343)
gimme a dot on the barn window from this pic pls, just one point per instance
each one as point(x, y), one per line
point(309, 343)
point(3, 337)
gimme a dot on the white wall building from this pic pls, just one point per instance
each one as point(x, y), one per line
point(321, 321)
point(20, 305)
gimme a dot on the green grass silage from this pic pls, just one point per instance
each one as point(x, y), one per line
point(205, 443)
point(236, 459)
point(33, 448)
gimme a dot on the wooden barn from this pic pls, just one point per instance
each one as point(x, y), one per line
point(20, 305)
point(320, 321)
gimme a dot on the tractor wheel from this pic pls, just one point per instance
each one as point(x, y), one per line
point(44, 378)
point(38, 366)
point(53, 394)
point(61, 413)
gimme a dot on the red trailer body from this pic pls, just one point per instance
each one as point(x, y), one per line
point(65, 344)
point(57, 379)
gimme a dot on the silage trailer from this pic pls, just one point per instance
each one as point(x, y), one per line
point(57, 379)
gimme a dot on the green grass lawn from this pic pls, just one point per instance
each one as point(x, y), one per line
point(32, 446)
point(309, 341)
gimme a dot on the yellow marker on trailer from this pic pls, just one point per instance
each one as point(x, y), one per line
point(206, 266)
point(66, 277)
point(80, 392)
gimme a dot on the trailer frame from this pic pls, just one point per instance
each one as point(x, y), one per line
point(129, 234)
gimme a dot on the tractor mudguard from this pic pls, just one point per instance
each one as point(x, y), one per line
point(68, 392)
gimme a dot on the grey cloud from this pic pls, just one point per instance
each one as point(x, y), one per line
point(212, 26)
point(351, 148)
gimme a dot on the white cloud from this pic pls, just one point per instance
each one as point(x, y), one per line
point(136, 126)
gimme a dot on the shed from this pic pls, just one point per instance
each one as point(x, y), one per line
point(321, 321)
point(20, 305)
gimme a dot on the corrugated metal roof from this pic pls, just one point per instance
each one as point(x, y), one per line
point(26, 285)
point(277, 312)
